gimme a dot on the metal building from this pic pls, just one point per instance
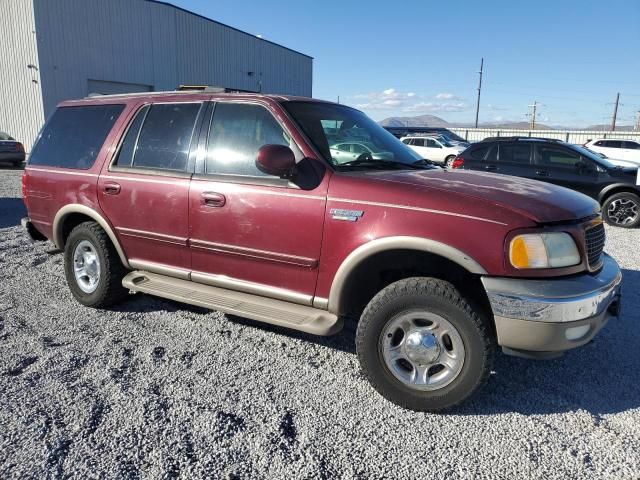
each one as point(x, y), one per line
point(57, 50)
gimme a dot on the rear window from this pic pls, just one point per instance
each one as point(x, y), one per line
point(73, 136)
point(480, 153)
point(515, 153)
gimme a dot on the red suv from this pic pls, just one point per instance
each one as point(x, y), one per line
point(234, 202)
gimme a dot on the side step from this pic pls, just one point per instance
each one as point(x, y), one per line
point(276, 312)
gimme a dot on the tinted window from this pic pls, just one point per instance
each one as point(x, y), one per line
point(357, 148)
point(612, 144)
point(125, 155)
point(237, 133)
point(515, 153)
point(344, 147)
point(631, 145)
point(480, 153)
point(73, 136)
point(418, 142)
point(557, 157)
point(432, 143)
point(165, 137)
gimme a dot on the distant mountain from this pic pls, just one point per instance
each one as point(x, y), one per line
point(433, 121)
point(419, 121)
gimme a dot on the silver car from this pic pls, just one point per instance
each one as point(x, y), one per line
point(348, 151)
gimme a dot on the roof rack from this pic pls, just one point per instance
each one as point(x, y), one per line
point(211, 89)
point(519, 138)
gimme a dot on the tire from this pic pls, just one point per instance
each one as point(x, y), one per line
point(17, 164)
point(91, 240)
point(439, 301)
point(449, 160)
point(622, 210)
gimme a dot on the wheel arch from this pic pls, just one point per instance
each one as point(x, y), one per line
point(616, 188)
point(77, 211)
point(340, 287)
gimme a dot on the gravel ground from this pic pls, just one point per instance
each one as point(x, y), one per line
point(155, 389)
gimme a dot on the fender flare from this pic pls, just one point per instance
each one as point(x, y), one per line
point(373, 247)
point(617, 186)
point(67, 210)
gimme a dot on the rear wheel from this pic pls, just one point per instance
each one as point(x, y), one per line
point(449, 161)
point(622, 210)
point(92, 267)
point(422, 346)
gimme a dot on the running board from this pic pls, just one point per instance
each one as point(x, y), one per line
point(275, 312)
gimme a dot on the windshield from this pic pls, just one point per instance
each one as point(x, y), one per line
point(444, 141)
point(591, 155)
point(345, 136)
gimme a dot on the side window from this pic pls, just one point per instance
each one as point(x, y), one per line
point(237, 132)
point(431, 143)
point(73, 136)
point(613, 144)
point(631, 145)
point(600, 143)
point(515, 153)
point(418, 142)
point(357, 148)
point(407, 141)
point(557, 157)
point(165, 136)
point(127, 149)
point(344, 147)
point(480, 153)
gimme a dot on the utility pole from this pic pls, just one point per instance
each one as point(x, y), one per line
point(479, 90)
point(533, 115)
point(615, 113)
point(637, 127)
point(338, 98)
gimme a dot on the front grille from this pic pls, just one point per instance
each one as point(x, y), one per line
point(594, 240)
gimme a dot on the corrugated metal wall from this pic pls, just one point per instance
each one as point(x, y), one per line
point(21, 113)
point(151, 43)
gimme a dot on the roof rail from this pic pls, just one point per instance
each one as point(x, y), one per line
point(211, 89)
point(518, 138)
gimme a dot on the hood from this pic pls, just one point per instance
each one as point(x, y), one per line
point(539, 201)
point(622, 163)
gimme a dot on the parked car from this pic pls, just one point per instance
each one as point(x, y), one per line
point(613, 186)
point(11, 150)
point(349, 151)
point(400, 132)
point(233, 202)
point(435, 149)
point(628, 150)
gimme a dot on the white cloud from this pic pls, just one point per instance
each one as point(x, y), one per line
point(435, 107)
point(447, 96)
point(389, 91)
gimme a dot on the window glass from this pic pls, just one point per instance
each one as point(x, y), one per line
point(557, 157)
point(613, 144)
point(418, 142)
point(407, 141)
point(344, 147)
point(600, 143)
point(125, 155)
point(631, 145)
point(237, 133)
point(515, 153)
point(431, 143)
point(74, 135)
point(357, 148)
point(165, 137)
point(480, 153)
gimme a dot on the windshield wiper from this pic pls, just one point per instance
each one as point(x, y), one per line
point(425, 161)
point(379, 164)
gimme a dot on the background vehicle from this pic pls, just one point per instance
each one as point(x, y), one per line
point(571, 166)
point(348, 151)
point(234, 202)
point(433, 148)
point(628, 150)
point(11, 150)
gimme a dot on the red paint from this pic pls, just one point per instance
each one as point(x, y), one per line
point(286, 237)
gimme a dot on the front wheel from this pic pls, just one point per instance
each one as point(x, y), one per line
point(422, 346)
point(448, 162)
point(622, 210)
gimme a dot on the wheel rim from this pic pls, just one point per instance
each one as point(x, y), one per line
point(86, 266)
point(422, 350)
point(623, 211)
point(448, 162)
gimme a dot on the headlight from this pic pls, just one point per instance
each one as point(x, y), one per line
point(543, 250)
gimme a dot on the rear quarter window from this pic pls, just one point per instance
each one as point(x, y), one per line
point(73, 136)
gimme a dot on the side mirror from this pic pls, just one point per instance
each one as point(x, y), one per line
point(277, 160)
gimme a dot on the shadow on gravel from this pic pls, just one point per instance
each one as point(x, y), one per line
point(11, 211)
point(600, 377)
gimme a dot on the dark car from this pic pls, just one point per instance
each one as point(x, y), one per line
point(11, 150)
point(571, 166)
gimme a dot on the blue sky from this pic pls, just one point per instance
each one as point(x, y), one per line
point(422, 57)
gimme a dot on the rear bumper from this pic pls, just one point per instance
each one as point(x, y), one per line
point(553, 315)
point(12, 156)
point(32, 231)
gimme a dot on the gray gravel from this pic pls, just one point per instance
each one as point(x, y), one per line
point(155, 389)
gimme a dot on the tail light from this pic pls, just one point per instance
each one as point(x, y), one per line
point(24, 189)
point(458, 162)
point(19, 147)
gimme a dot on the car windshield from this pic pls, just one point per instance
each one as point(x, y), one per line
point(444, 141)
point(596, 157)
point(348, 138)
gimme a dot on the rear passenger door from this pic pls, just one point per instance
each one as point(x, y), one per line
point(144, 190)
point(567, 168)
point(514, 158)
point(250, 231)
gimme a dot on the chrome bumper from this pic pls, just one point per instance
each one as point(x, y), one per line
point(553, 315)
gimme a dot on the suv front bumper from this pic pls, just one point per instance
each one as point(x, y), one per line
point(534, 317)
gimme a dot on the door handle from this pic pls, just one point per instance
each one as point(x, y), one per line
point(212, 199)
point(111, 188)
point(542, 173)
point(490, 167)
